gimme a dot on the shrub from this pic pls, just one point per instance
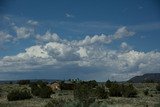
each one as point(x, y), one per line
point(146, 91)
point(19, 95)
point(67, 86)
point(40, 89)
point(101, 93)
point(115, 90)
point(35, 90)
point(10, 82)
point(45, 92)
point(151, 95)
point(129, 91)
point(87, 94)
point(108, 84)
point(158, 87)
point(92, 83)
point(82, 92)
point(23, 82)
point(119, 90)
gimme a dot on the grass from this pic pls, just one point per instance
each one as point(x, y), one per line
point(35, 102)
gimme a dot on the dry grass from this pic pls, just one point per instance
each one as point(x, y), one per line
point(35, 102)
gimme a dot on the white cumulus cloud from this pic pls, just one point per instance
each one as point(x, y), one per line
point(5, 37)
point(48, 37)
point(98, 61)
point(106, 39)
point(123, 32)
point(23, 32)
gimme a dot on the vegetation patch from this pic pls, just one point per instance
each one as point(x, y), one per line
point(23, 82)
point(146, 91)
point(41, 89)
point(158, 87)
point(19, 95)
point(119, 90)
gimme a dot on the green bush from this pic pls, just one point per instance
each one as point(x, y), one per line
point(101, 93)
point(67, 86)
point(82, 92)
point(119, 90)
point(35, 89)
point(92, 83)
point(108, 83)
point(85, 94)
point(158, 87)
point(115, 90)
point(129, 91)
point(23, 82)
point(146, 91)
point(40, 89)
point(19, 95)
point(45, 92)
point(88, 93)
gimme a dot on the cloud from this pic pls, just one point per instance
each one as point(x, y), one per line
point(47, 37)
point(23, 32)
point(123, 32)
point(95, 39)
point(19, 33)
point(125, 47)
point(83, 57)
point(17, 27)
point(69, 15)
point(33, 57)
point(106, 39)
point(108, 63)
point(82, 52)
point(5, 37)
point(32, 22)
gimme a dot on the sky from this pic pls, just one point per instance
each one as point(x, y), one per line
point(86, 39)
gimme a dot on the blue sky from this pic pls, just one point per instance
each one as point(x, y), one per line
point(50, 37)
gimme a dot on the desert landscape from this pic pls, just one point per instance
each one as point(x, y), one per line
point(79, 53)
point(79, 94)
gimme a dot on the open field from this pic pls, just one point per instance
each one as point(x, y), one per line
point(150, 100)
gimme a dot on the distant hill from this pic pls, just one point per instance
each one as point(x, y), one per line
point(149, 77)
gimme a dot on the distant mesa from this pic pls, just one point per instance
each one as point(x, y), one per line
point(148, 78)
